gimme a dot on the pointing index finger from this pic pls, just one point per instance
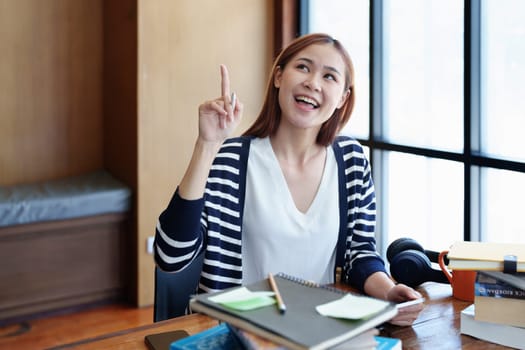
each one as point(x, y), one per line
point(225, 81)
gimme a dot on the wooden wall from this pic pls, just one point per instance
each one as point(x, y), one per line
point(115, 84)
point(51, 89)
point(181, 45)
point(120, 101)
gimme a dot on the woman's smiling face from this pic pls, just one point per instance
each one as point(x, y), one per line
point(311, 86)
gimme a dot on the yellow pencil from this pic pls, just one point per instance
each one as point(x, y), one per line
point(280, 302)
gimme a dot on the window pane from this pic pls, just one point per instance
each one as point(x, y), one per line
point(423, 55)
point(424, 200)
point(348, 21)
point(502, 198)
point(503, 74)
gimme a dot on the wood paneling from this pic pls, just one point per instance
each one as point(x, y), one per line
point(181, 45)
point(120, 108)
point(286, 26)
point(65, 263)
point(51, 83)
point(116, 84)
point(120, 89)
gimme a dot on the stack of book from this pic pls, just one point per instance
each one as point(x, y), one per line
point(227, 337)
point(498, 312)
point(315, 317)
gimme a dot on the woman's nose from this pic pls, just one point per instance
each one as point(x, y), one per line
point(313, 82)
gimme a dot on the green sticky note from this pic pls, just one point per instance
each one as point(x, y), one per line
point(242, 299)
point(250, 304)
point(352, 307)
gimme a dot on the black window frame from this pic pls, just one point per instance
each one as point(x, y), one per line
point(471, 157)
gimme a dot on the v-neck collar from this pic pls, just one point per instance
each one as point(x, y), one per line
point(280, 178)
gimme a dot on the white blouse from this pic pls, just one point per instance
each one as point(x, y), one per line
point(277, 237)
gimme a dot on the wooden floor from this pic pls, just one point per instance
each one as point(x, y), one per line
point(62, 329)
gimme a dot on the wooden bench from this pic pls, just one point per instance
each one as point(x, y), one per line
point(63, 244)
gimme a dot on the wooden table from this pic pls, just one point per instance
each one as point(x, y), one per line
point(437, 327)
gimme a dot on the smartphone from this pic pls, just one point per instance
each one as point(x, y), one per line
point(162, 341)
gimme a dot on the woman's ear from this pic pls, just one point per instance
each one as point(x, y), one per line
point(345, 96)
point(277, 75)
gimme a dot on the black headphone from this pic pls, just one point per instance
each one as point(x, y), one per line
point(410, 264)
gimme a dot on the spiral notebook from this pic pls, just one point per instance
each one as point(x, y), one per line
point(302, 326)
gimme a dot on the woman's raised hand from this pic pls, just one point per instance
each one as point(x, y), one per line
point(218, 118)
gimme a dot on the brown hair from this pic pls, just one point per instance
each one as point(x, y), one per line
point(269, 117)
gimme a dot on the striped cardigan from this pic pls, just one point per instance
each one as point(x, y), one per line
point(213, 224)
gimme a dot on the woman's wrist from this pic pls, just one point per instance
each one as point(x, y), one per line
point(206, 150)
point(194, 180)
point(379, 285)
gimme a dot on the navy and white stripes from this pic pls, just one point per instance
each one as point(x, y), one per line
point(214, 223)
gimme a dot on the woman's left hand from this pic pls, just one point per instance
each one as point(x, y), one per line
point(406, 315)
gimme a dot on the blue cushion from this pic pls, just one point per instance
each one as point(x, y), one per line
point(89, 194)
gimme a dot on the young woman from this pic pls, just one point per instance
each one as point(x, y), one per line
point(289, 195)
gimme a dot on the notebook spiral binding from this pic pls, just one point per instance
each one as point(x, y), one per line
point(309, 283)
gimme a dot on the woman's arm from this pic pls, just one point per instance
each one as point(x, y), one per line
point(218, 118)
point(179, 234)
point(194, 180)
point(368, 271)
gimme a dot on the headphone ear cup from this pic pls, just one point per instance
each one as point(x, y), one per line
point(400, 245)
point(412, 267)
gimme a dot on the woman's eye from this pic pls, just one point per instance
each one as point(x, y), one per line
point(330, 77)
point(302, 67)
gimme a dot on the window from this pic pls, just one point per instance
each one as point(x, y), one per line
point(423, 73)
point(332, 17)
point(440, 106)
point(502, 77)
